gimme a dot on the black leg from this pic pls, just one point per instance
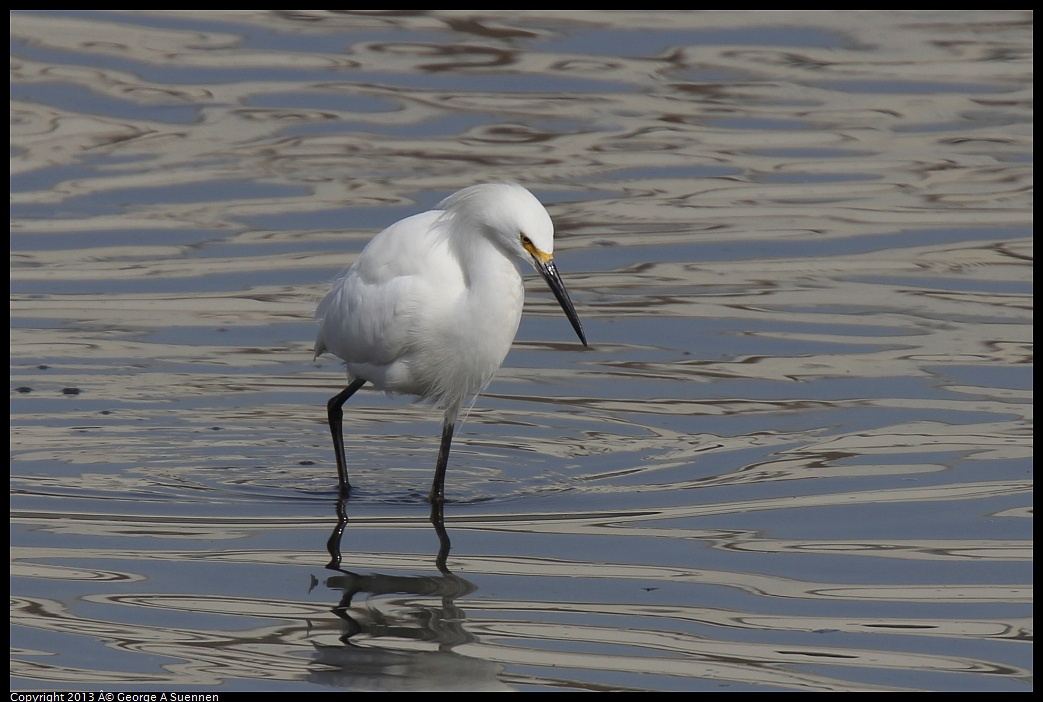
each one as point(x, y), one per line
point(438, 487)
point(336, 416)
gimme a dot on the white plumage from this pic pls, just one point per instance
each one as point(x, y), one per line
point(431, 306)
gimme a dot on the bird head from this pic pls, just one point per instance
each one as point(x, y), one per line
point(517, 223)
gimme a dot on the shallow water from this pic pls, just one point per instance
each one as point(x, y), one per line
point(797, 456)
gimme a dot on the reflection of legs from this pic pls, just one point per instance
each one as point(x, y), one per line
point(333, 543)
point(443, 536)
point(336, 417)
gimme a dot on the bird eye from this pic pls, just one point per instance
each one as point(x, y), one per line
point(526, 242)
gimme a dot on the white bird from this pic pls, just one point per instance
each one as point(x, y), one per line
point(431, 306)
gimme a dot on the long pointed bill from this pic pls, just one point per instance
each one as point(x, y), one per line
point(545, 266)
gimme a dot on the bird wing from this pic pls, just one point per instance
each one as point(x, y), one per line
point(367, 318)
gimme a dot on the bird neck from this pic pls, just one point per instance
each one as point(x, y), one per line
point(483, 264)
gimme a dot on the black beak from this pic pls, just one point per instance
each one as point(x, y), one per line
point(550, 274)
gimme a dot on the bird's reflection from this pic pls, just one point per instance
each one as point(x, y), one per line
point(437, 521)
point(408, 646)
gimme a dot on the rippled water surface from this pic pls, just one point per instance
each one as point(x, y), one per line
point(797, 456)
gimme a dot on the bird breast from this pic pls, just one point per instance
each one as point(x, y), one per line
point(461, 332)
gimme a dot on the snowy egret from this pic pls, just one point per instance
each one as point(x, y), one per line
point(431, 306)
